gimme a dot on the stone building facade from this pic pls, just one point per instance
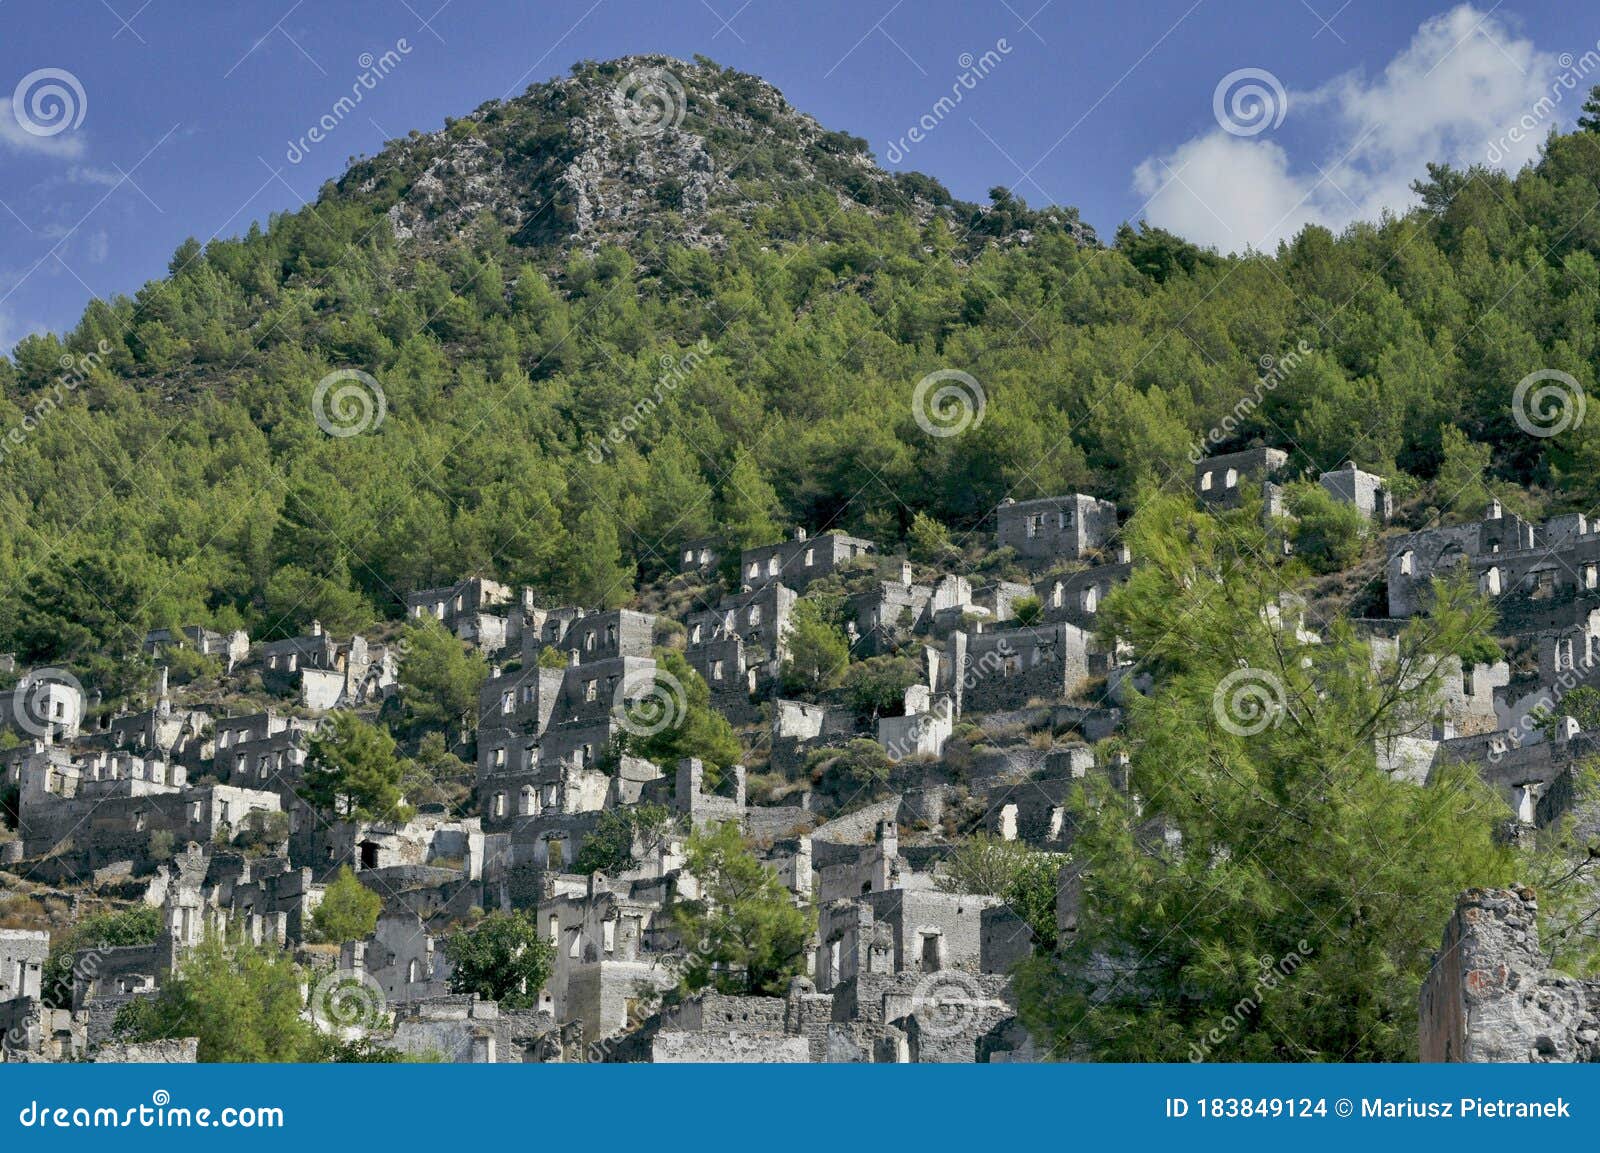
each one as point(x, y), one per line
point(1055, 527)
point(801, 560)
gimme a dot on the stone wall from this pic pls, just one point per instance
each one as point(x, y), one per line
point(180, 1051)
point(729, 1048)
point(1489, 996)
point(22, 957)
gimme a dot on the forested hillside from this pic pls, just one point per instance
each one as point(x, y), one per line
point(575, 379)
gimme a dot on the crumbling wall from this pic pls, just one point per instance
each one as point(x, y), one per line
point(179, 1051)
point(1489, 996)
point(729, 1048)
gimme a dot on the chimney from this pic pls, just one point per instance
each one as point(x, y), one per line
point(799, 532)
point(888, 837)
point(316, 628)
point(905, 572)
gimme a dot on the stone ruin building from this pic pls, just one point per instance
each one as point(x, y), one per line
point(198, 811)
point(1491, 995)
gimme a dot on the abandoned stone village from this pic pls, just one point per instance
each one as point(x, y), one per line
point(192, 804)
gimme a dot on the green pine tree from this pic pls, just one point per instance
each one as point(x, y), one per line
point(1267, 861)
point(749, 935)
point(352, 772)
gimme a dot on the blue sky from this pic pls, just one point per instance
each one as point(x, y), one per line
point(181, 117)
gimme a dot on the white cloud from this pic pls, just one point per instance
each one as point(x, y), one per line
point(88, 174)
point(1464, 91)
point(67, 145)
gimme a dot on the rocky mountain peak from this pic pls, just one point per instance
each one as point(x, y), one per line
point(639, 146)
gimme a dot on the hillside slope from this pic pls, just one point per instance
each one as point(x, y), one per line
point(568, 331)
